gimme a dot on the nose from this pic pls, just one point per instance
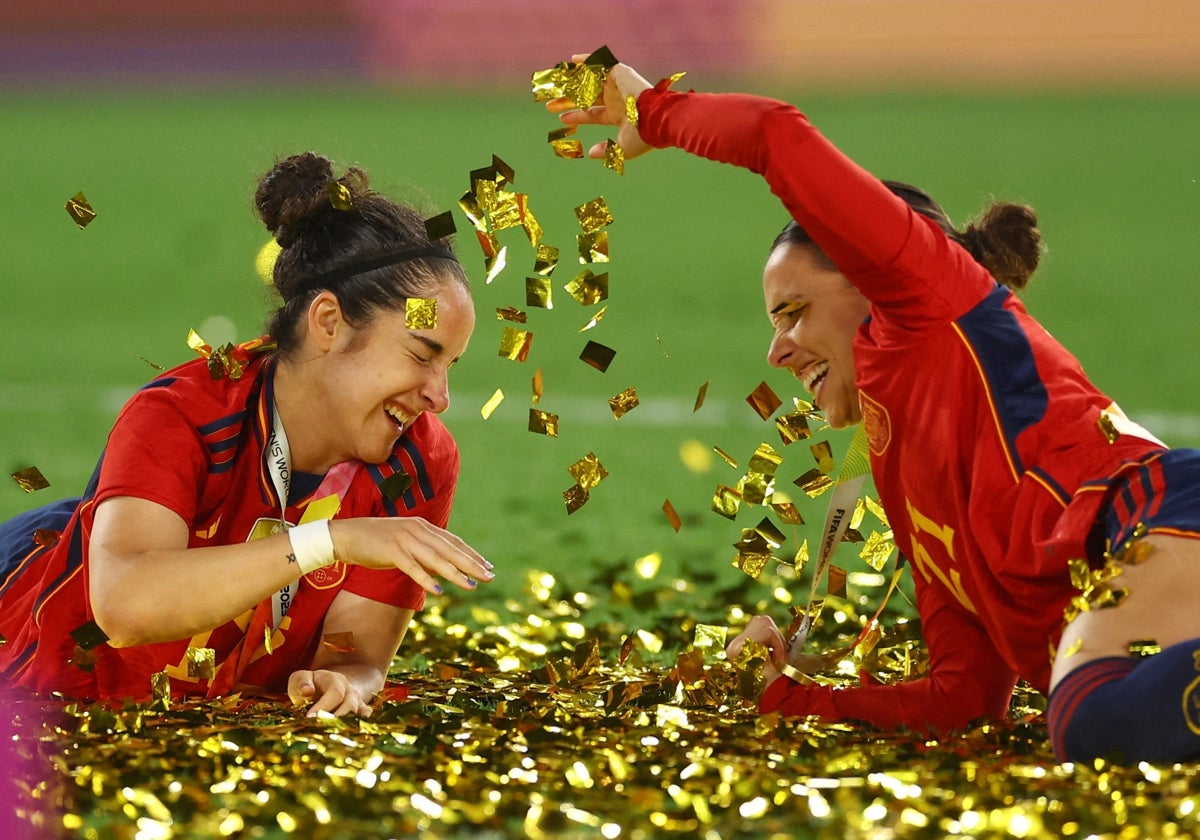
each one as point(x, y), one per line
point(436, 390)
point(781, 349)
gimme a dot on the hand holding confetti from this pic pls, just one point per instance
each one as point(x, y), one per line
point(616, 106)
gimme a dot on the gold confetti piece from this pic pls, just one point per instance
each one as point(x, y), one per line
point(764, 401)
point(492, 404)
point(440, 226)
point(800, 560)
point(494, 265)
point(752, 565)
point(514, 344)
point(562, 133)
point(160, 689)
point(568, 149)
point(420, 313)
point(396, 485)
point(533, 229)
point(624, 402)
point(860, 511)
point(1108, 428)
point(538, 292)
point(339, 642)
point(631, 110)
point(595, 319)
point(726, 501)
point(835, 584)
point(765, 460)
point(725, 456)
point(877, 549)
point(672, 516)
point(543, 422)
point(264, 260)
point(1144, 647)
point(710, 637)
point(89, 635)
point(268, 640)
point(574, 497)
point(877, 510)
point(594, 215)
point(579, 82)
point(537, 386)
point(792, 427)
point(787, 513)
point(823, 454)
point(46, 538)
point(588, 471)
point(767, 530)
point(647, 567)
point(339, 196)
point(84, 660)
point(757, 488)
point(588, 288)
point(700, 395)
point(752, 542)
point(814, 483)
point(30, 479)
point(201, 662)
point(598, 356)
point(545, 260)
point(593, 247)
point(79, 210)
point(511, 313)
point(614, 157)
point(1073, 648)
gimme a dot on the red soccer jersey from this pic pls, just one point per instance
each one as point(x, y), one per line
point(196, 445)
point(983, 429)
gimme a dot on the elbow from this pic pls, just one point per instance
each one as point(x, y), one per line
point(115, 620)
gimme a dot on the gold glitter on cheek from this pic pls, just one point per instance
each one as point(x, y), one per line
point(514, 344)
point(30, 479)
point(420, 314)
point(79, 210)
point(492, 404)
point(623, 402)
point(543, 422)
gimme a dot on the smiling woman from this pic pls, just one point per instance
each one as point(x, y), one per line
point(269, 518)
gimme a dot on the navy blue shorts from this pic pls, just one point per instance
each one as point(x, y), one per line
point(1161, 495)
point(16, 534)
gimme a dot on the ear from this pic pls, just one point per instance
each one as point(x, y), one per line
point(325, 320)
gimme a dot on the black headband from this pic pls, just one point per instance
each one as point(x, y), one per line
point(320, 281)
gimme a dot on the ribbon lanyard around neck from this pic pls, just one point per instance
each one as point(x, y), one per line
point(279, 465)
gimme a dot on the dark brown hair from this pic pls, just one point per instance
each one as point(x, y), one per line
point(1005, 239)
point(326, 226)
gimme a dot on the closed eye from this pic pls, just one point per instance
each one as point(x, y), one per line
point(786, 312)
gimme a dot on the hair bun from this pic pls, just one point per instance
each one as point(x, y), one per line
point(295, 190)
point(1007, 242)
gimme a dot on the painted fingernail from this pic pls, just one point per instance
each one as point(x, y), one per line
point(486, 563)
point(438, 589)
point(471, 583)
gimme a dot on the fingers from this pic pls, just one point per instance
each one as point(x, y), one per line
point(333, 694)
point(300, 688)
point(761, 629)
point(416, 547)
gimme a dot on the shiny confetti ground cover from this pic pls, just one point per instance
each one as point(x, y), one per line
point(640, 499)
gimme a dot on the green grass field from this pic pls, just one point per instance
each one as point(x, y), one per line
point(1115, 178)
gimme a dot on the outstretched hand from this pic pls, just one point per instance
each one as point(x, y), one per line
point(609, 109)
point(415, 546)
point(326, 691)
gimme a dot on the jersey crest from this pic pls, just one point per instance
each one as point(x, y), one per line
point(876, 422)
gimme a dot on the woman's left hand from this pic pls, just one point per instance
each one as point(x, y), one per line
point(327, 691)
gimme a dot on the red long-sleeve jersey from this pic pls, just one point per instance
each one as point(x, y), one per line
point(985, 444)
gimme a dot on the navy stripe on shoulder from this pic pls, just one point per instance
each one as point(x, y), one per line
point(161, 382)
point(377, 477)
point(223, 423)
point(419, 463)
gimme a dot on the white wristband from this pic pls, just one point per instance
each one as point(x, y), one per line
point(312, 545)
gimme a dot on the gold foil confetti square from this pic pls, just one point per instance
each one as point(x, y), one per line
point(800, 560)
point(672, 516)
point(514, 344)
point(792, 427)
point(440, 226)
point(562, 133)
point(511, 313)
point(545, 260)
point(46, 538)
point(30, 479)
point(765, 460)
point(495, 265)
point(79, 210)
point(725, 456)
point(757, 488)
point(160, 688)
point(787, 512)
point(588, 288)
point(877, 549)
point(624, 402)
point(396, 485)
point(772, 535)
point(752, 565)
point(631, 110)
point(543, 422)
point(764, 401)
point(339, 196)
point(536, 383)
point(567, 149)
point(538, 292)
point(814, 483)
point(574, 498)
point(594, 215)
point(726, 501)
point(836, 585)
point(201, 662)
point(710, 637)
point(700, 395)
point(588, 471)
point(614, 157)
point(339, 642)
point(594, 320)
point(1107, 428)
point(89, 635)
point(597, 355)
point(593, 247)
point(823, 454)
point(533, 229)
point(492, 404)
point(420, 313)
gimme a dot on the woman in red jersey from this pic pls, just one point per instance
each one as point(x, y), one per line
point(997, 461)
point(271, 517)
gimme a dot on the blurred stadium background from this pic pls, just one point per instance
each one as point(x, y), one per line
point(164, 115)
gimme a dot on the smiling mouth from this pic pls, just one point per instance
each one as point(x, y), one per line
point(814, 377)
point(398, 418)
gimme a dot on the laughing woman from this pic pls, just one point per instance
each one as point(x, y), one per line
point(244, 512)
